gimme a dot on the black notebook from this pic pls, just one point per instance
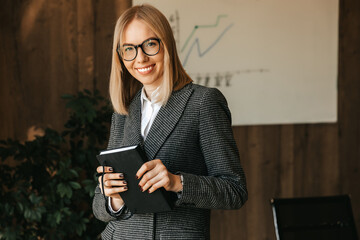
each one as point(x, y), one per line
point(128, 160)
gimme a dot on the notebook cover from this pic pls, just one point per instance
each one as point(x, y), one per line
point(129, 162)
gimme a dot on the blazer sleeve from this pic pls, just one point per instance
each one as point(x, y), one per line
point(225, 186)
point(100, 204)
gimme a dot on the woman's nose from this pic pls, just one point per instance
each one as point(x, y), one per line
point(141, 56)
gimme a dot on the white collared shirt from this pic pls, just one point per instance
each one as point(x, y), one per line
point(149, 110)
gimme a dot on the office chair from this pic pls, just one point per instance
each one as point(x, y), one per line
point(329, 218)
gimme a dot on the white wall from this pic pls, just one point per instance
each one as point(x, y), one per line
point(275, 61)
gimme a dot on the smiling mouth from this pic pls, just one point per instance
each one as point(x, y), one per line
point(146, 69)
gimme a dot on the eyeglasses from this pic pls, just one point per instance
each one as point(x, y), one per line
point(150, 47)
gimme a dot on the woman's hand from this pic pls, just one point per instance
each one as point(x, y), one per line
point(114, 183)
point(154, 175)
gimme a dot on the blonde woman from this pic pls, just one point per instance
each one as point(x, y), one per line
point(184, 128)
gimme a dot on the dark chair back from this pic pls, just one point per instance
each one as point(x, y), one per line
point(329, 218)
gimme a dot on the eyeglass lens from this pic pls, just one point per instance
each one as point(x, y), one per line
point(150, 47)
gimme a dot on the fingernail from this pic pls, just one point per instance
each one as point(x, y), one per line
point(121, 175)
point(141, 188)
point(111, 169)
point(149, 191)
point(136, 177)
point(124, 182)
point(125, 188)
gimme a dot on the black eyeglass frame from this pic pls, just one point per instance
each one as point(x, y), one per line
point(136, 49)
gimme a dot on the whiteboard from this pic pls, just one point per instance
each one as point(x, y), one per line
point(275, 61)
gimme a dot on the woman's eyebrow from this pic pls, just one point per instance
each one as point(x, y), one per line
point(131, 44)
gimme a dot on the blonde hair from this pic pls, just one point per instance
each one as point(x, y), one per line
point(123, 86)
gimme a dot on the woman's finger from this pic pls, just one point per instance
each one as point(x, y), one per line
point(113, 176)
point(148, 176)
point(115, 183)
point(156, 172)
point(112, 188)
point(162, 183)
point(100, 169)
point(110, 176)
point(114, 192)
point(157, 178)
point(149, 166)
point(145, 167)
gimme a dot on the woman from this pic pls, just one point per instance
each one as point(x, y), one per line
point(185, 128)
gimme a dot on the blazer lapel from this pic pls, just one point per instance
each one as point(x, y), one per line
point(132, 126)
point(166, 120)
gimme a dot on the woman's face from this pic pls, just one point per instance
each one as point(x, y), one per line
point(146, 69)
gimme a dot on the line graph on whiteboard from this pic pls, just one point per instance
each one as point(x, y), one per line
point(274, 61)
point(194, 47)
point(196, 41)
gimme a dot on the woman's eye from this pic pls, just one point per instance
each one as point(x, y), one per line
point(151, 44)
point(128, 49)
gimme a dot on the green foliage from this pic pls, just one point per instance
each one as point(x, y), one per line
point(47, 184)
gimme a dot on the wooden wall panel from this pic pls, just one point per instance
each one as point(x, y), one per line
point(104, 28)
point(48, 48)
point(349, 102)
point(10, 91)
point(280, 161)
point(44, 64)
point(86, 44)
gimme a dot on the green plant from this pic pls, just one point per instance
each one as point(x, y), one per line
point(48, 183)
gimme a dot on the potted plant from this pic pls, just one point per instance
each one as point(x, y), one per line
point(47, 184)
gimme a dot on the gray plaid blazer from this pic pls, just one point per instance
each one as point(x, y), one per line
point(191, 135)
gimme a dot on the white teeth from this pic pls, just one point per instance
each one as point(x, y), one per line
point(145, 69)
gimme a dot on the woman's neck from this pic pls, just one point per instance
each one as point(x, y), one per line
point(150, 90)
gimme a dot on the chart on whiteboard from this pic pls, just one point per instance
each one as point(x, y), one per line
point(275, 61)
point(196, 46)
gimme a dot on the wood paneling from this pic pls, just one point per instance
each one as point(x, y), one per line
point(48, 48)
point(104, 28)
point(349, 103)
point(279, 161)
